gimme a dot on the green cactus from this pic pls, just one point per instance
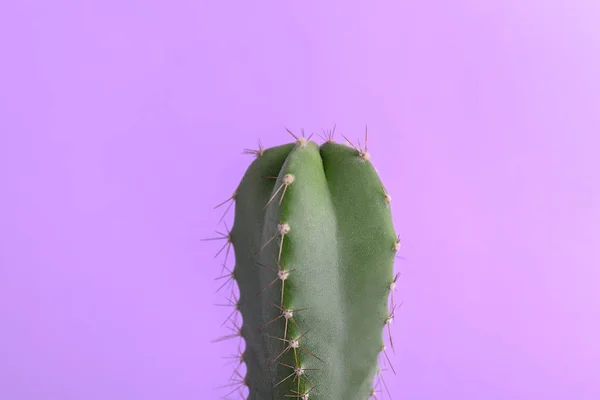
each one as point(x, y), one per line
point(314, 250)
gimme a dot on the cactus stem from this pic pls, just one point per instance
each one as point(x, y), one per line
point(326, 173)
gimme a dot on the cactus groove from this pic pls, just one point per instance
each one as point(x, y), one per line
point(314, 248)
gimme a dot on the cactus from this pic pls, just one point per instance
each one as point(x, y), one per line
point(314, 249)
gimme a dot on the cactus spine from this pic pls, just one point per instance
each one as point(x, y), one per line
point(314, 250)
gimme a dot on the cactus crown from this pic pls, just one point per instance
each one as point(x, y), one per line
point(314, 249)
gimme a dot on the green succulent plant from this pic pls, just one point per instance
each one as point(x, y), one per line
point(314, 248)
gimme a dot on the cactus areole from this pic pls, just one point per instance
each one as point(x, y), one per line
point(314, 249)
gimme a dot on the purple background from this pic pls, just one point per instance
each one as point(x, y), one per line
point(122, 124)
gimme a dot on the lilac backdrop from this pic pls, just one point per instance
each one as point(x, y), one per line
point(122, 124)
